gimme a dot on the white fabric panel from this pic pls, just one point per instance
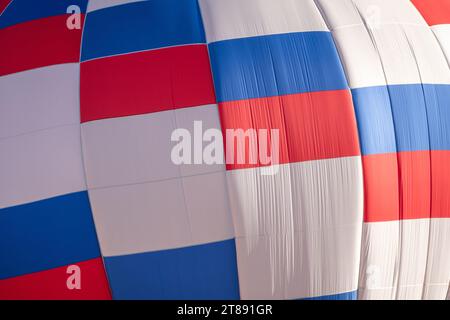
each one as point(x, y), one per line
point(396, 256)
point(298, 231)
point(208, 207)
point(141, 200)
point(442, 32)
point(373, 13)
point(391, 55)
point(359, 57)
point(413, 258)
point(437, 279)
point(38, 99)
point(317, 262)
point(231, 19)
point(394, 50)
point(379, 260)
point(162, 215)
point(129, 150)
point(100, 4)
point(138, 148)
point(428, 55)
point(141, 217)
point(209, 117)
point(410, 54)
point(40, 165)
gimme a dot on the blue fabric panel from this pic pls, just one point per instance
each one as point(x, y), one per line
point(410, 117)
point(352, 295)
point(46, 234)
point(437, 98)
point(141, 26)
point(273, 65)
point(25, 10)
point(206, 271)
point(375, 123)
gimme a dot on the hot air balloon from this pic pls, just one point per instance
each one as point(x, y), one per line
point(399, 79)
point(338, 189)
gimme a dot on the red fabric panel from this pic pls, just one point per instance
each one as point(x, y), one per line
point(312, 126)
point(52, 284)
point(381, 192)
point(434, 11)
point(415, 177)
point(38, 43)
point(146, 82)
point(440, 180)
point(406, 185)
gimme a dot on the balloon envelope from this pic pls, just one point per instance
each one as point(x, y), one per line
point(338, 190)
